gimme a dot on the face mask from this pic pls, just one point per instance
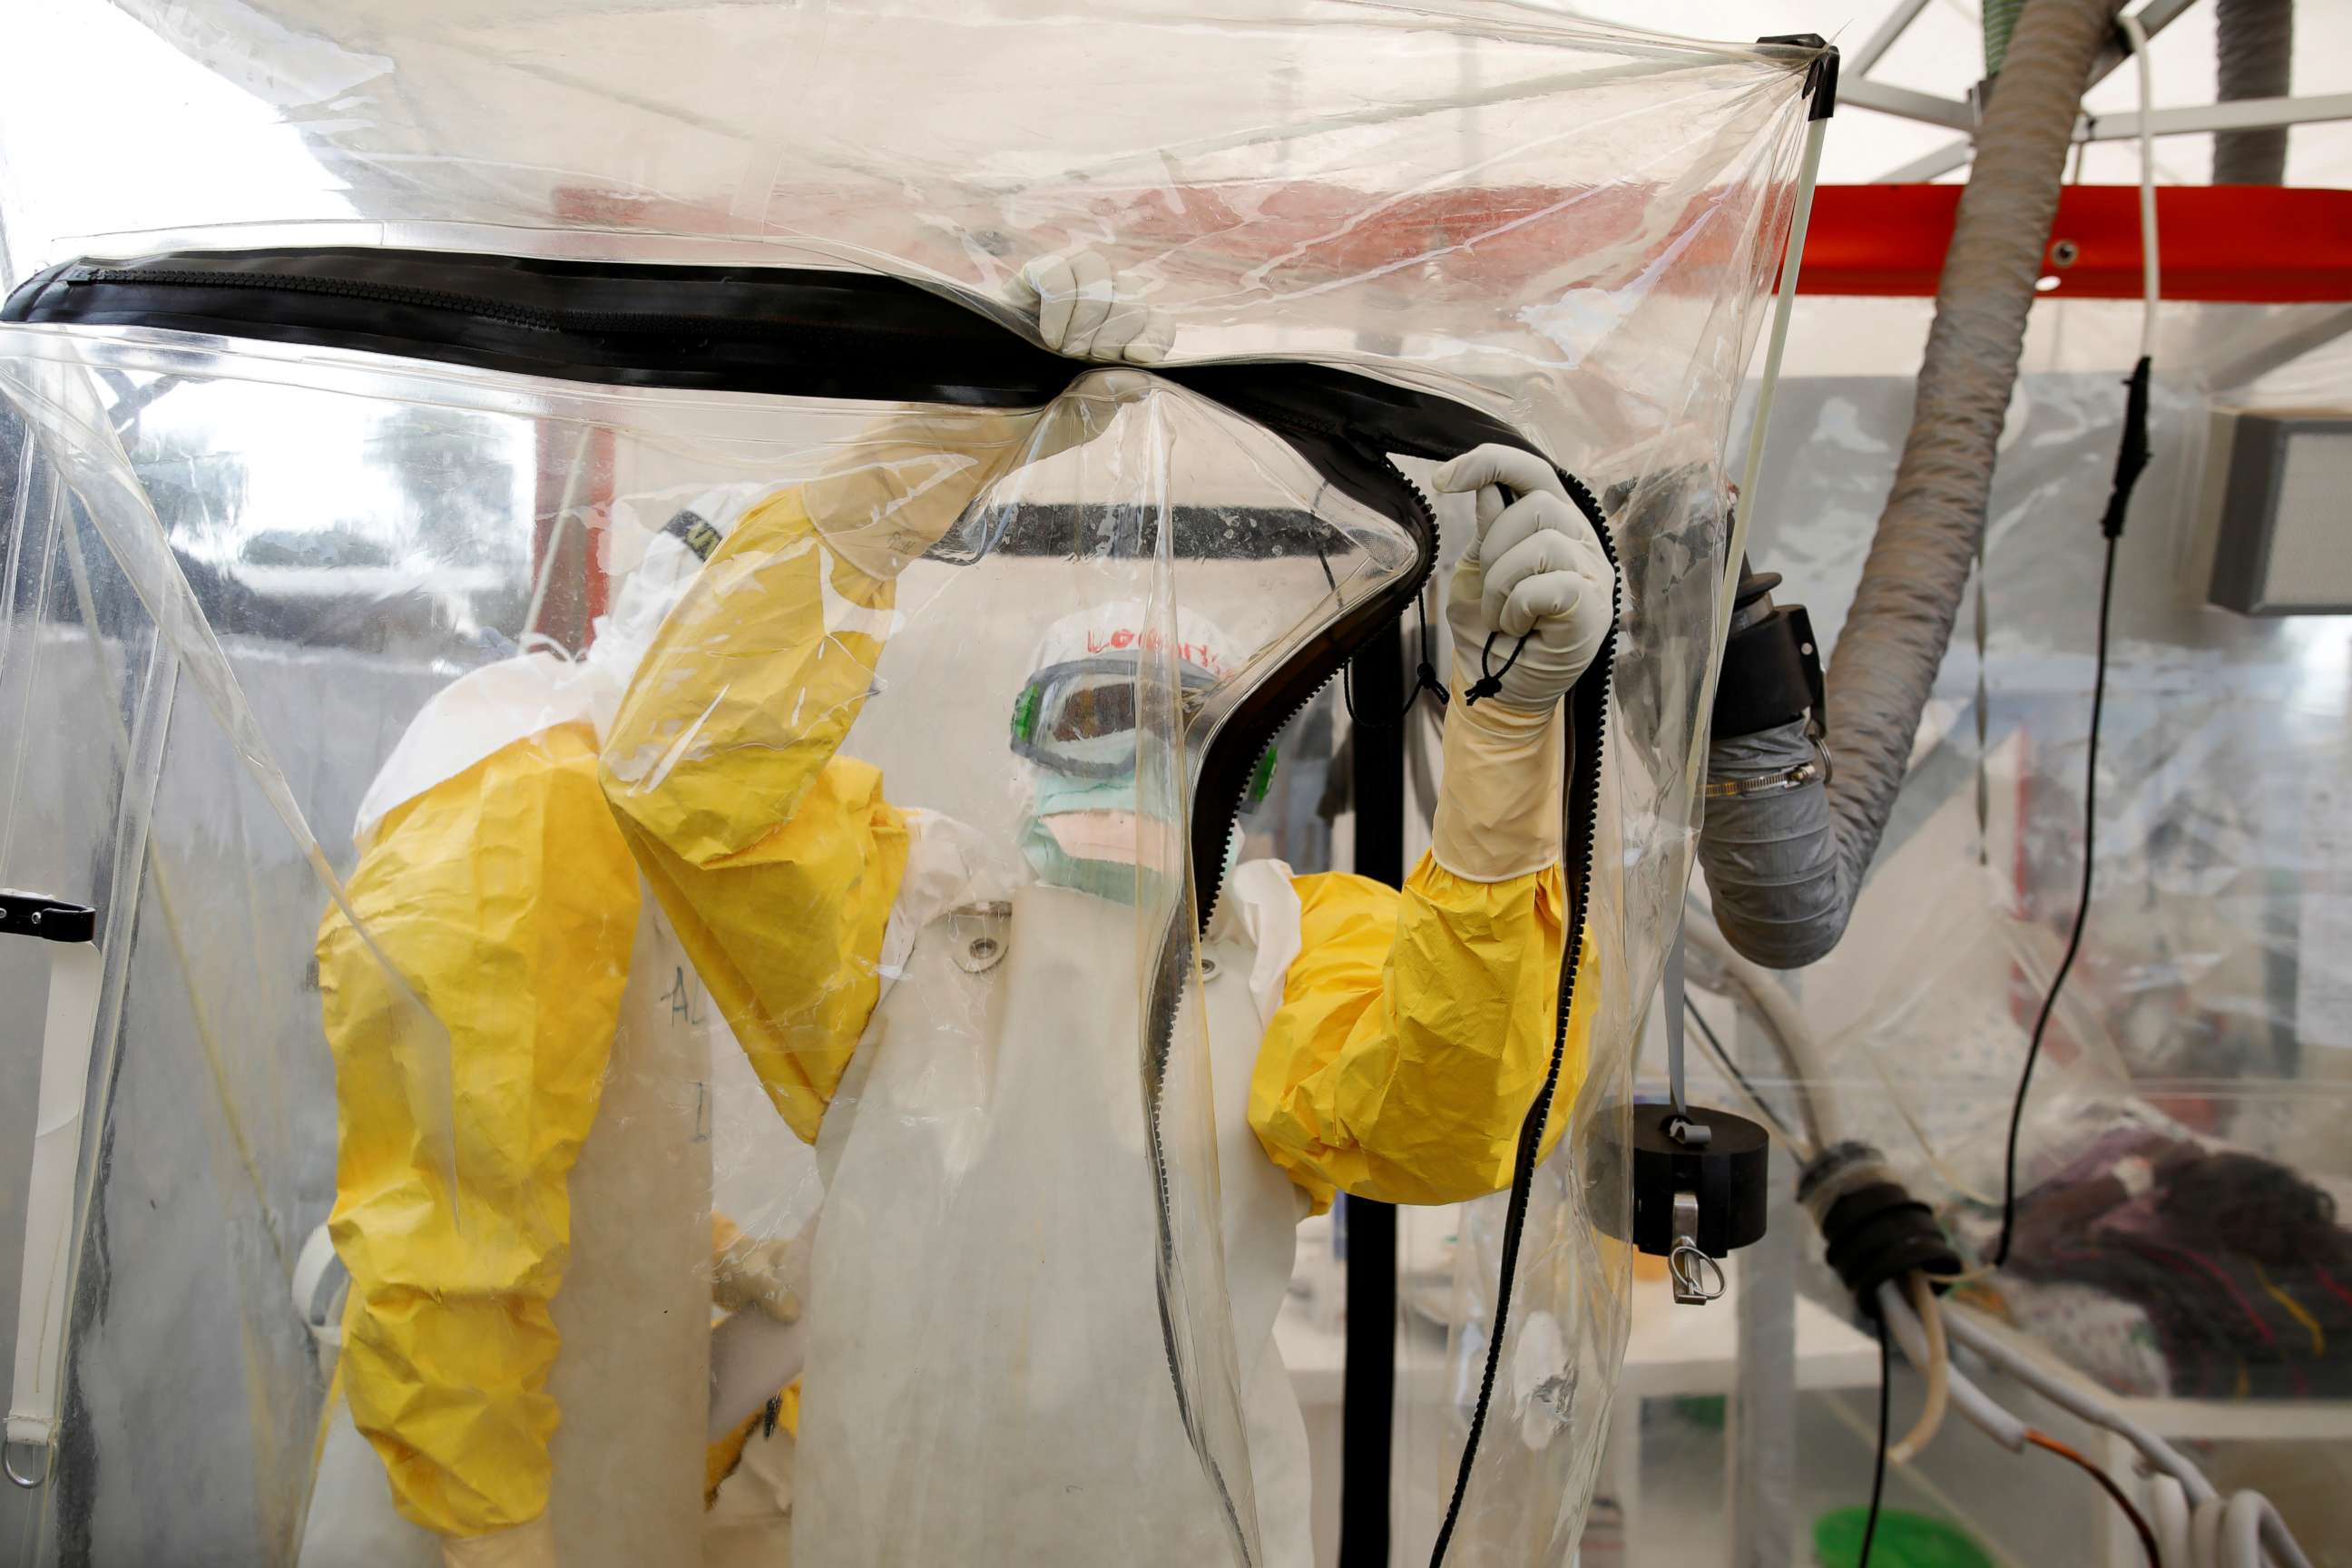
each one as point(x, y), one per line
point(1087, 835)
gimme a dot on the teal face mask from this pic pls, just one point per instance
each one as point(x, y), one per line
point(1112, 874)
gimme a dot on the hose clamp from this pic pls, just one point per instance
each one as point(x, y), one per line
point(1816, 767)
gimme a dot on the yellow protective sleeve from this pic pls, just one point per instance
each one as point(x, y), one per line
point(776, 860)
point(506, 900)
point(1415, 1031)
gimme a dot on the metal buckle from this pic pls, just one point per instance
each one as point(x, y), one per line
point(1690, 1269)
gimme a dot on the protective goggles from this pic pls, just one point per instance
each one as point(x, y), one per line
point(1078, 718)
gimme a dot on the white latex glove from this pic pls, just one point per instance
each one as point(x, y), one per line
point(770, 1274)
point(896, 490)
point(1086, 311)
point(1535, 567)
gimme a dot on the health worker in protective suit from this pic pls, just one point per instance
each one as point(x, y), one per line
point(491, 876)
point(953, 1022)
point(531, 1365)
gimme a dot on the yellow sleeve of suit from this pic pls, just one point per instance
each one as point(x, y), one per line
point(506, 900)
point(1415, 1031)
point(776, 860)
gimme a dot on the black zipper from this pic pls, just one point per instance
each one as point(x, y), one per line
point(790, 332)
point(1588, 731)
point(554, 320)
point(809, 333)
point(1230, 758)
point(1354, 455)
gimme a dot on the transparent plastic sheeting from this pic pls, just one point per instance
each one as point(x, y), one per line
point(2184, 1176)
point(532, 819)
point(1465, 190)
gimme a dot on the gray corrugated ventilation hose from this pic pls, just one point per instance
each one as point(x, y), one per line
point(1784, 867)
point(2254, 48)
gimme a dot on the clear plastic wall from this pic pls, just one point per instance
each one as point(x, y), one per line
point(387, 646)
point(2183, 1178)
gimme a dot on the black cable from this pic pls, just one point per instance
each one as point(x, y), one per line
point(2074, 937)
point(1522, 1189)
point(1878, 1467)
point(2129, 461)
point(1723, 1059)
point(1424, 675)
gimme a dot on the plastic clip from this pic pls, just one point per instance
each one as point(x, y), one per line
point(51, 919)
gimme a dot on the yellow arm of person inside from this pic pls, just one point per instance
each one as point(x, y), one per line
point(505, 899)
point(776, 859)
point(1416, 1026)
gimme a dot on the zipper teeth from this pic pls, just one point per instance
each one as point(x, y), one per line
point(532, 317)
point(1587, 830)
point(1421, 584)
point(1162, 1041)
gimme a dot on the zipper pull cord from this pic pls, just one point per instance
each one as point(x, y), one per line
point(1424, 678)
point(1490, 680)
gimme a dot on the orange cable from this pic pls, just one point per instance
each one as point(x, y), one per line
point(2138, 1521)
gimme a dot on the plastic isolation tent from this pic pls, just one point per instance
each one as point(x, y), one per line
point(411, 411)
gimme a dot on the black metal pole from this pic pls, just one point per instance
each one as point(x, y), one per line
point(1370, 1386)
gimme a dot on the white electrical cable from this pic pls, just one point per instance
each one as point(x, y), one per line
point(2211, 1510)
point(2151, 270)
point(1977, 1407)
point(1784, 1021)
point(2170, 1515)
point(2241, 1531)
point(2206, 1535)
point(1939, 1369)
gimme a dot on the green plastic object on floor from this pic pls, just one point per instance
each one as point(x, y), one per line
point(1903, 1540)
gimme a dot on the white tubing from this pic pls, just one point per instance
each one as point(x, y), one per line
point(2169, 1516)
point(1939, 1369)
point(2070, 1396)
point(2151, 269)
point(2241, 1531)
point(1785, 1022)
point(1977, 1407)
point(2206, 1530)
point(2067, 1397)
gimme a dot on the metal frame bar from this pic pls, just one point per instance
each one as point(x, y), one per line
point(1867, 53)
point(1928, 166)
point(2239, 114)
point(2278, 342)
point(2153, 17)
point(1906, 104)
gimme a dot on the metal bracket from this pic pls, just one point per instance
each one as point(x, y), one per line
point(51, 919)
point(980, 934)
point(1697, 1278)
